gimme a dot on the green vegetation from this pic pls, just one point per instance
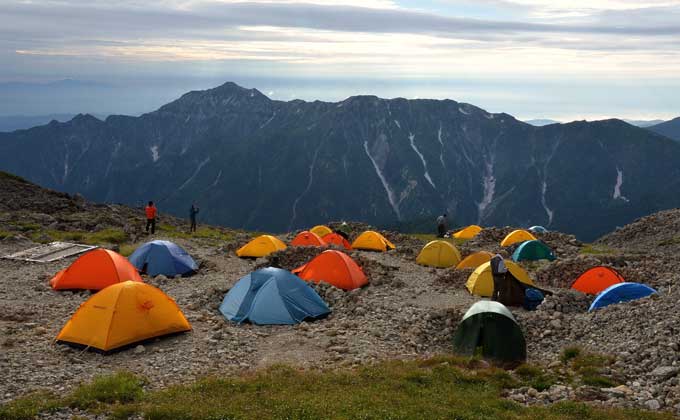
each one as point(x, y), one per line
point(536, 377)
point(596, 250)
point(203, 232)
point(121, 387)
point(589, 366)
point(4, 234)
point(7, 175)
point(127, 249)
point(440, 387)
point(102, 237)
point(569, 353)
point(672, 241)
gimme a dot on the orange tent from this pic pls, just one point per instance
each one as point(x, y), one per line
point(475, 260)
point(333, 267)
point(307, 238)
point(337, 239)
point(515, 236)
point(94, 271)
point(596, 279)
point(123, 314)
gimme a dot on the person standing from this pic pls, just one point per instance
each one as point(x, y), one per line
point(193, 211)
point(151, 212)
point(442, 225)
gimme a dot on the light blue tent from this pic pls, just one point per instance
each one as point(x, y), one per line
point(163, 257)
point(272, 296)
point(532, 251)
point(538, 229)
point(621, 292)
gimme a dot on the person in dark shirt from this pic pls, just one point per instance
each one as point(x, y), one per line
point(193, 211)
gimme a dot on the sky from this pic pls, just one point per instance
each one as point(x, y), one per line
point(529, 58)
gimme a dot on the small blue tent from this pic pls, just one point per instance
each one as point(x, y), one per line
point(272, 296)
point(532, 251)
point(538, 229)
point(162, 257)
point(621, 292)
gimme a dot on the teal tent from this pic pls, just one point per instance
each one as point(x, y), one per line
point(490, 326)
point(532, 251)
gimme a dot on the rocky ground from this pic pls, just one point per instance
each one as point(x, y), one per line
point(406, 311)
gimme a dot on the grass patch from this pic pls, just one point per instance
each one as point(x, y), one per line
point(29, 407)
point(127, 249)
point(672, 241)
point(119, 388)
point(591, 249)
point(203, 232)
point(535, 377)
point(569, 353)
point(102, 237)
point(437, 388)
point(5, 234)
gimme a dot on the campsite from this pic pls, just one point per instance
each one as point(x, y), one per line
point(391, 303)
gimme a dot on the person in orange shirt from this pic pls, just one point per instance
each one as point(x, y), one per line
point(151, 217)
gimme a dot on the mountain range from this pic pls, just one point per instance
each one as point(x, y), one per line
point(670, 129)
point(252, 162)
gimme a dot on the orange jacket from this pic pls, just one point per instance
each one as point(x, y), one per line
point(150, 212)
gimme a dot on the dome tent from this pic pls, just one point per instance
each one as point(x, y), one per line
point(95, 270)
point(596, 279)
point(490, 326)
point(306, 238)
point(272, 296)
point(338, 240)
point(468, 232)
point(321, 230)
point(480, 282)
point(372, 241)
point(261, 246)
point(517, 236)
point(538, 229)
point(475, 260)
point(333, 267)
point(123, 314)
point(163, 257)
point(441, 254)
point(621, 292)
point(532, 251)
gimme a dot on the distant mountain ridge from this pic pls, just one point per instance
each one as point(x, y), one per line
point(257, 163)
point(670, 129)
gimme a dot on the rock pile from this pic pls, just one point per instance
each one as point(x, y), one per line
point(454, 277)
point(659, 232)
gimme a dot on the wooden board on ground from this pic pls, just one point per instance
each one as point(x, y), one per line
point(50, 252)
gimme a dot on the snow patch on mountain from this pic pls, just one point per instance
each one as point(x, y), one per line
point(463, 111)
point(545, 205)
point(489, 185)
point(411, 138)
point(198, 169)
point(397, 123)
point(307, 188)
point(154, 153)
point(617, 187)
point(390, 193)
point(441, 152)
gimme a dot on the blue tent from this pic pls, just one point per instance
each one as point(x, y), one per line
point(162, 257)
point(532, 251)
point(272, 296)
point(538, 229)
point(621, 292)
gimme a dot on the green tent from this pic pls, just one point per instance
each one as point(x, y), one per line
point(491, 326)
point(533, 251)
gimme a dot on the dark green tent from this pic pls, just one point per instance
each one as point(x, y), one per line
point(491, 326)
point(533, 251)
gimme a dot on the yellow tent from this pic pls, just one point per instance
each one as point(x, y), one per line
point(480, 282)
point(261, 246)
point(468, 233)
point(372, 241)
point(440, 254)
point(122, 314)
point(517, 236)
point(321, 230)
point(475, 260)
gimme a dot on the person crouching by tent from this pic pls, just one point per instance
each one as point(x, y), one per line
point(442, 225)
point(193, 211)
point(151, 213)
